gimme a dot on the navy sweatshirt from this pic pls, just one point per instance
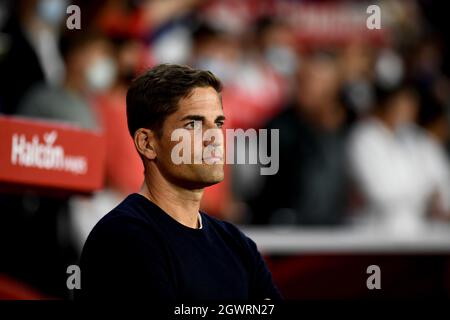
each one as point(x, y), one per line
point(137, 251)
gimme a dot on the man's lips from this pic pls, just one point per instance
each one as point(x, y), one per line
point(215, 156)
point(214, 159)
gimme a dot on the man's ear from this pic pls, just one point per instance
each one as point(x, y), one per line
point(144, 140)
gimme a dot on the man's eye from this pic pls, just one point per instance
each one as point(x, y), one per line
point(190, 125)
point(219, 124)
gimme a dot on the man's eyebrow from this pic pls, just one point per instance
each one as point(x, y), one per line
point(196, 117)
point(193, 117)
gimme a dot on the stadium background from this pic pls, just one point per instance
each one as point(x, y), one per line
point(309, 68)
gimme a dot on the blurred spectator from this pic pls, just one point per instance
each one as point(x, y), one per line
point(397, 168)
point(434, 119)
point(310, 187)
point(280, 49)
point(32, 32)
point(357, 68)
point(90, 69)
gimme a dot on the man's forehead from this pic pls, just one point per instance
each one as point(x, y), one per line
point(201, 96)
point(204, 101)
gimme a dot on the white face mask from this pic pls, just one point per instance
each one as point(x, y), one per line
point(52, 11)
point(389, 68)
point(282, 58)
point(101, 74)
point(223, 69)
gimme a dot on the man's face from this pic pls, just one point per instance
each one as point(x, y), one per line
point(404, 108)
point(202, 107)
point(319, 83)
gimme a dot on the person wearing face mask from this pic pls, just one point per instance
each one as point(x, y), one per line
point(388, 165)
point(90, 69)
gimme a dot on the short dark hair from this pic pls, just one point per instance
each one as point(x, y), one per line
point(74, 42)
point(385, 95)
point(155, 94)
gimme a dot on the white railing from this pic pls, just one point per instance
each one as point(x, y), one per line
point(290, 240)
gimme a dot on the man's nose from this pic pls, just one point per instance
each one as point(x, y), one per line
point(214, 138)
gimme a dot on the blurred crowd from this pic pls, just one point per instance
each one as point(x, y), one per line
point(363, 115)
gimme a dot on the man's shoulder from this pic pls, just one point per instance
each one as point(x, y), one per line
point(221, 224)
point(126, 210)
point(127, 219)
point(231, 231)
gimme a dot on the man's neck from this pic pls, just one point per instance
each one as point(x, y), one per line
point(181, 204)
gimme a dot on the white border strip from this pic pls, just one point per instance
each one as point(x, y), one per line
point(287, 240)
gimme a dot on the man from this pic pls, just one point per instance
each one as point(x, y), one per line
point(394, 164)
point(310, 186)
point(156, 244)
